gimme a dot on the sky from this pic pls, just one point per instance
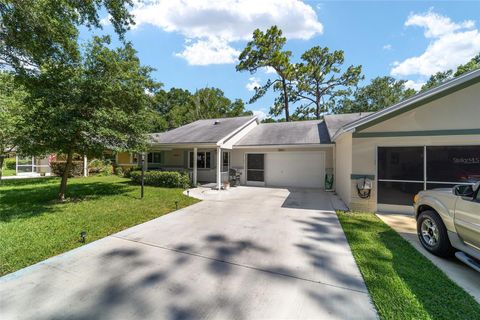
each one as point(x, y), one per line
point(195, 44)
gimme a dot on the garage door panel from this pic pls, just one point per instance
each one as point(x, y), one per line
point(295, 169)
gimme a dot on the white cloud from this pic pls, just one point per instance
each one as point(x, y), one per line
point(416, 85)
point(452, 44)
point(260, 114)
point(253, 83)
point(387, 47)
point(210, 51)
point(227, 21)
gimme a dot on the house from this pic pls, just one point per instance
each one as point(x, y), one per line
point(430, 140)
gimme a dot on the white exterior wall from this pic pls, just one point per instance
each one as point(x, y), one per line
point(343, 166)
point(238, 156)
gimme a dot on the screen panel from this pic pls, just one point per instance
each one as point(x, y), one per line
point(400, 163)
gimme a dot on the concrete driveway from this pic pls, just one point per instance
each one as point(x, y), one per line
point(246, 253)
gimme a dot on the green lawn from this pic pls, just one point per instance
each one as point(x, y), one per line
point(34, 226)
point(8, 172)
point(402, 282)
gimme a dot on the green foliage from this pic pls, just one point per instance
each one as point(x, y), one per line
point(35, 33)
point(166, 179)
point(35, 227)
point(440, 77)
point(266, 50)
point(178, 107)
point(10, 163)
point(127, 171)
point(402, 282)
point(118, 171)
point(12, 109)
point(58, 168)
point(100, 167)
point(319, 80)
point(382, 92)
point(96, 103)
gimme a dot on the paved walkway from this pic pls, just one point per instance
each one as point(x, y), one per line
point(245, 253)
point(461, 274)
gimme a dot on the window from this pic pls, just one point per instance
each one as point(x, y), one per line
point(255, 167)
point(453, 164)
point(111, 157)
point(203, 160)
point(225, 161)
point(401, 170)
point(154, 157)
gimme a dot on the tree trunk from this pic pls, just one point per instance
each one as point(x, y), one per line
point(285, 97)
point(2, 158)
point(63, 184)
point(317, 110)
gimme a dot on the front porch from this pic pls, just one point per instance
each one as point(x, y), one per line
point(205, 165)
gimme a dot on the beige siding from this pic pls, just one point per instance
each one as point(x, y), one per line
point(364, 158)
point(343, 170)
point(459, 110)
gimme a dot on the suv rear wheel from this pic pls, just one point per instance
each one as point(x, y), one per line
point(432, 234)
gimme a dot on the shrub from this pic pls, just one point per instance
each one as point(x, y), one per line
point(166, 179)
point(118, 171)
point(100, 167)
point(58, 168)
point(10, 163)
point(128, 171)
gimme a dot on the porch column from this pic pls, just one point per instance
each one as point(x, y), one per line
point(219, 168)
point(194, 166)
point(85, 166)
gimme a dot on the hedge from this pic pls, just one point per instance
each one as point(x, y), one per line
point(58, 167)
point(10, 163)
point(166, 179)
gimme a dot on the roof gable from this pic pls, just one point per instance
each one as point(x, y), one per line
point(208, 131)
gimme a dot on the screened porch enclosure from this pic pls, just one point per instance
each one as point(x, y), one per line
point(32, 166)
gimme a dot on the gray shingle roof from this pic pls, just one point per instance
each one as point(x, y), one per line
point(201, 131)
point(286, 133)
point(336, 121)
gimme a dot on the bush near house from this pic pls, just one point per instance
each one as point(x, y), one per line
point(100, 167)
point(58, 167)
point(166, 179)
point(128, 171)
point(10, 163)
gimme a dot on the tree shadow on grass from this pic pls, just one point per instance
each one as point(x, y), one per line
point(25, 200)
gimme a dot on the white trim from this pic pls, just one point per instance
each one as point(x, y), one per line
point(237, 130)
point(286, 146)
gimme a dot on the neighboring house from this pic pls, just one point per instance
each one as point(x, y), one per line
point(428, 141)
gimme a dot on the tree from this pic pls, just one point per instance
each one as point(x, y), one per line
point(179, 107)
point(11, 110)
point(437, 79)
point(33, 33)
point(266, 51)
point(319, 80)
point(382, 92)
point(82, 108)
point(473, 64)
point(440, 77)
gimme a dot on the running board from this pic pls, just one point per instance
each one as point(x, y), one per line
point(474, 264)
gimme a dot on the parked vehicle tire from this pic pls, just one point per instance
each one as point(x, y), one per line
point(432, 234)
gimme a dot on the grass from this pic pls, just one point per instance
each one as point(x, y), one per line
point(34, 226)
point(8, 172)
point(403, 283)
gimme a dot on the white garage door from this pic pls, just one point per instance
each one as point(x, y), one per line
point(295, 169)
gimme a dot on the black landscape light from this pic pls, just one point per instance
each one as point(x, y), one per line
point(83, 236)
point(176, 205)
